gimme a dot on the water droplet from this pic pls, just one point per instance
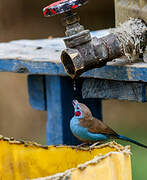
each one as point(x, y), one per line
point(74, 85)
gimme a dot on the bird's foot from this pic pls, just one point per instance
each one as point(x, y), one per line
point(93, 145)
point(80, 145)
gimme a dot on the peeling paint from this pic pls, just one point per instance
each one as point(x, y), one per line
point(129, 72)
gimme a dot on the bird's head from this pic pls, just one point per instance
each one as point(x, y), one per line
point(81, 110)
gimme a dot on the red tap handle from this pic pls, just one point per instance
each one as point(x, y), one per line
point(62, 6)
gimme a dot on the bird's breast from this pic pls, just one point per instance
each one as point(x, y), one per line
point(76, 129)
point(82, 133)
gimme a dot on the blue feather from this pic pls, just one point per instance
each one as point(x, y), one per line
point(130, 140)
point(82, 133)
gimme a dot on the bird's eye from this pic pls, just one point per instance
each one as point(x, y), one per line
point(78, 108)
point(78, 113)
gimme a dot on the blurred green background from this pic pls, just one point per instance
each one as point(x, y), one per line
point(23, 19)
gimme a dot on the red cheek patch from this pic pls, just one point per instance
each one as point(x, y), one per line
point(78, 113)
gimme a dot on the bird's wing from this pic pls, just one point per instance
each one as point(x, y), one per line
point(97, 126)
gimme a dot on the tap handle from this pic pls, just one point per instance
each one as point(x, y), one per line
point(62, 6)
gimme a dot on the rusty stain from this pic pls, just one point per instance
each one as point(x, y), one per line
point(129, 72)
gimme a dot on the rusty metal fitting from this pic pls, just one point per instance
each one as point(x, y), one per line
point(77, 39)
point(72, 24)
point(84, 53)
point(92, 54)
point(71, 18)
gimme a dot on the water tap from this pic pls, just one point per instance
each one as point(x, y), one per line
point(82, 52)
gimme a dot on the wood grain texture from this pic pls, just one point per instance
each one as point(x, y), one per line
point(54, 127)
point(107, 89)
point(37, 92)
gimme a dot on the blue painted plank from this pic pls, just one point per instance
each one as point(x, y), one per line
point(135, 72)
point(29, 67)
point(36, 91)
point(108, 89)
point(59, 106)
point(23, 56)
point(54, 128)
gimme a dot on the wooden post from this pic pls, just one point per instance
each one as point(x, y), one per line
point(59, 96)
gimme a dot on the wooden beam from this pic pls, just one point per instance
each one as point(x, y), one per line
point(108, 89)
point(43, 57)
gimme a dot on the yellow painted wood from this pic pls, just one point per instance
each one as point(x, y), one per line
point(19, 161)
point(113, 167)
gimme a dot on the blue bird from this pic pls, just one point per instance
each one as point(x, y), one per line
point(89, 129)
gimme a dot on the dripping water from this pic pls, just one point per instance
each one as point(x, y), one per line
point(74, 85)
point(77, 86)
point(74, 88)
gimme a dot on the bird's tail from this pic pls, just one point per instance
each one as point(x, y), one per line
point(130, 140)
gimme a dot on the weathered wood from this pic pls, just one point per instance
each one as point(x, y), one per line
point(36, 91)
point(43, 57)
point(54, 127)
point(45, 50)
point(107, 89)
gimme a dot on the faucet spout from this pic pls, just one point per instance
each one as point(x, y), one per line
point(85, 52)
point(93, 54)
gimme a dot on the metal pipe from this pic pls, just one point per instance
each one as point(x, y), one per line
point(84, 53)
point(93, 54)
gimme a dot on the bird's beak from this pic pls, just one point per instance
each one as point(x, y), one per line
point(74, 102)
